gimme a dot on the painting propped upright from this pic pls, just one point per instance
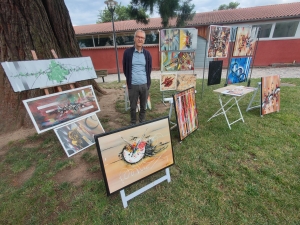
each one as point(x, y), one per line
point(270, 94)
point(239, 70)
point(214, 72)
point(133, 153)
point(27, 75)
point(51, 111)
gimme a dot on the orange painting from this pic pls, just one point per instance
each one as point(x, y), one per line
point(245, 41)
point(270, 94)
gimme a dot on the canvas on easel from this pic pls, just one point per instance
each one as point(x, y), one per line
point(270, 94)
point(239, 70)
point(214, 72)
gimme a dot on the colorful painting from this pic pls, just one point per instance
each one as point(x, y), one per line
point(186, 81)
point(169, 39)
point(168, 82)
point(188, 39)
point(51, 111)
point(245, 41)
point(270, 94)
point(133, 153)
point(27, 75)
point(79, 135)
point(176, 61)
point(218, 42)
point(186, 112)
point(239, 70)
point(214, 72)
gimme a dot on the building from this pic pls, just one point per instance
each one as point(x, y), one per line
point(279, 40)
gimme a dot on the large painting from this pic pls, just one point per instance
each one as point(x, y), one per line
point(168, 82)
point(214, 72)
point(50, 111)
point(79, 135)
point(177, 61)
point(218, 41)
point(27, 75)
point(186, 81)
point(270, 94)
point(245, 41)
point(186, 112)
point(133, 153)
point(239, 70)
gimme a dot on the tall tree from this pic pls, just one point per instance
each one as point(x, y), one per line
point(39, 25)
point(121, 13)
point(231, 5)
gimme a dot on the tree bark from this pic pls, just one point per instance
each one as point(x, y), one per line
point(39, 25)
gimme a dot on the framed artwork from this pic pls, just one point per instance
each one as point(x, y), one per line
point(239, 70)
point(270, 94)
point(214, 72)
point(168, 82)
point(27, 75)
point(245, 41)
point(79, 135)
point(164, 40)
point(218, 41)
point(169, 39)
point(186, 81)
point(176, 61)
point(186, 60)
point(186, 112)
point(133, 153)
point(188, 39)
point(51, 111)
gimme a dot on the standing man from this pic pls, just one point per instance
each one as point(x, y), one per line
point(137, 66)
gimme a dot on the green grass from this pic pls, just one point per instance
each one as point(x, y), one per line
point(247, 175)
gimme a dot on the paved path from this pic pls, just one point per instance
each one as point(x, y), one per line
point(284, 72)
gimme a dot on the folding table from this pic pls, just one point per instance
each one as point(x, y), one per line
point(235, 94)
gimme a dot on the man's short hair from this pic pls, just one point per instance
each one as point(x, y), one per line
point(139, 31)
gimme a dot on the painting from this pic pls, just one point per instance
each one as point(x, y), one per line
point(188, 39)
point(79, 135)
point(27, 75)
point(214, 72)
point(51, 111)
point(218, 41)
point(133, 153)
point(245, 41)
point(239, 70)
point(270, 94)
point(176, 61)
point(186, 81)
point(186, 112)
point(168, 82)
point(169, 39)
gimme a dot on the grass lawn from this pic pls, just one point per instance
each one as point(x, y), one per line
point(247, 175)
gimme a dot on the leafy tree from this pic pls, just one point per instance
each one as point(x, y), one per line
point(121, 13)
point(231, 5)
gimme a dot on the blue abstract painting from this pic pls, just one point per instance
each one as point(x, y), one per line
point(239, 70)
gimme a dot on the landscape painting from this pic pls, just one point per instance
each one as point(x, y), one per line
point(79, 135)
point(239, 70)
point(50, 111)
point(186, 81)
point(27, 75)
point(245, 41)
point(168, 82)
point(214, 72)
point(218, 42)
point(186, 112)
point(133, 153)
point(270, 94)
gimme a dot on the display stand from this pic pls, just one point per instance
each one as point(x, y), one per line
point(170, 100)
point(126, 98)
point(253, 97)
point(125, 198)
point(205, 55)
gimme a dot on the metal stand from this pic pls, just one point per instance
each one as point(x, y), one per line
point(252, 99)
point(170, 100)
point(126, 98)
point(125, 198)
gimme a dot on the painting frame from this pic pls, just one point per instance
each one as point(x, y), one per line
point(270, 94)
point(50, 111)
point(124, 162)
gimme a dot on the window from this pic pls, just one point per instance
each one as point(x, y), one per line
point(85, 42)
point(285, 29)
point(265, 30)
point(103, 41)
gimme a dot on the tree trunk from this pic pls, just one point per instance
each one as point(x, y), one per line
point(39, 25)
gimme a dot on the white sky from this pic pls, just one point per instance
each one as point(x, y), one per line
point(84, 12)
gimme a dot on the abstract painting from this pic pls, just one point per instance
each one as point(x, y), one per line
point(214, 72)
point(27, 75)
point(188, 39)
point(51, 111)
point(239, 70)
point(270, 94)
point(79, 135)
point(169, 39)
point(186, 112)
point(186, 81)
point(218, 42)
point(133, 153)
point(176, 61)
point(245, 41)
point(168, 82)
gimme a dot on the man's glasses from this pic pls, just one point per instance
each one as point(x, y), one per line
point(140, 37)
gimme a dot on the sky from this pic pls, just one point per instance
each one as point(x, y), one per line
point(83, 12)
